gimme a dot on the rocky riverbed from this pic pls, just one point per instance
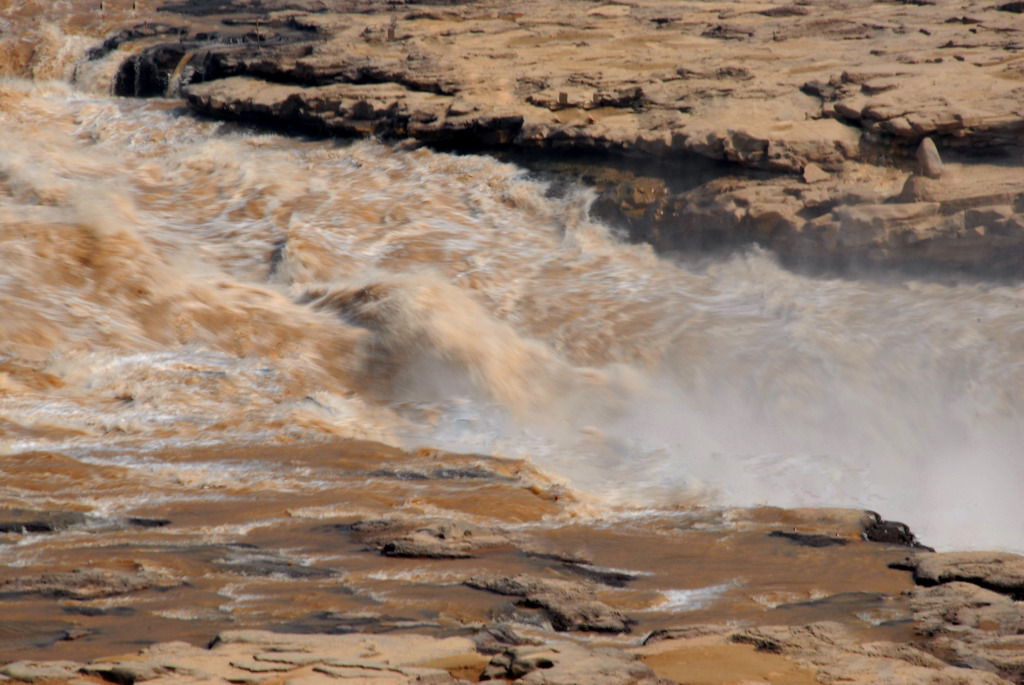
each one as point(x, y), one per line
point(881, 608)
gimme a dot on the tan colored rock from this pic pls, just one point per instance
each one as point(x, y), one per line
point(815, 174)
point(253, 656)
point(840, 658)
point(41, 671)
point(928, 159)
point(570, 664)
point(981, 628)
point(569, 605)
point(771, 88)
point(84, 584)
point(848, 90)
point(999, 571)
point(451, 540)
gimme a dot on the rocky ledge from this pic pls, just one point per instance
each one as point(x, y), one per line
point(964, 634)
point(872, 131)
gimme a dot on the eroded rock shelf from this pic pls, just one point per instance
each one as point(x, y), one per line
point(829, 102)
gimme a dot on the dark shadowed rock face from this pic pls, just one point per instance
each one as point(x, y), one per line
point(809, 540)
point(875, 529)
point(892, 533)
point(148, 73)
point(27, 522)
point(497, 638)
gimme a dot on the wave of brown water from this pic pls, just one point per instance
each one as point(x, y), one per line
point(193, 315)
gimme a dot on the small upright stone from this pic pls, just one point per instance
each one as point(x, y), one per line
point(815, 174)
point(928, 158)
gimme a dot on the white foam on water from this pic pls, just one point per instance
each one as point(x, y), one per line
point(426, 576)
point(174, 283)
point(692, 599)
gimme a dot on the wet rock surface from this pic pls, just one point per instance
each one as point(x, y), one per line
point(25, 522)
point(85, 584)
point(439, 540)
point(568, 605)
point(961, 633)
point(891, 532)
point(449, 539)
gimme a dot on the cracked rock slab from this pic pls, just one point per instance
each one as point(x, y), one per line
point(41, 671)
point(570, 606)
point(570, 664)
point(253, 656)
point(999, 571)
point(974, 626)
point(840, 658)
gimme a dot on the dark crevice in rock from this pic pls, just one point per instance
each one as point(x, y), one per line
point(147, 74)
point(143, 522)
point(25, 522)
point(439, 474)
point(273, 567)
point(810, 540)
point(340, 623)
point(599, 575)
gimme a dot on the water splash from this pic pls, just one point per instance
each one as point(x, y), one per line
point(168, 276)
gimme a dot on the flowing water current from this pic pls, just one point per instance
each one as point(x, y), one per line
point(182, 302)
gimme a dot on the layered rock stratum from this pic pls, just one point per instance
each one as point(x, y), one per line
point(818, 110)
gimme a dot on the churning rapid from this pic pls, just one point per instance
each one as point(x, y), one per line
point(167, 282)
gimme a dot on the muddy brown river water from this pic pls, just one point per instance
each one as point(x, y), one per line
point(223, 351)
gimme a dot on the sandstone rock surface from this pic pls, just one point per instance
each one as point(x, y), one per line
point(973, 626)
point(253, 656)
point(822, 652)
point(448, 539)
point(772, 86)
point(568, 664)
point(839, 97)
point(928, 158)
point(999, 571)
point(569, 605)
point(84, 584)
point(840, 658)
